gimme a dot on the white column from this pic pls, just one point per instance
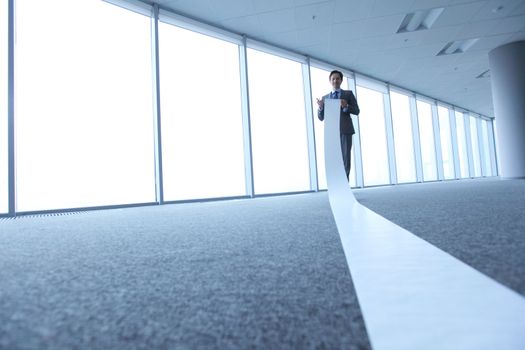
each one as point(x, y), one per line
point(507, 70)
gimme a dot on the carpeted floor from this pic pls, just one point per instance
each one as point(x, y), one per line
point(264, 273)
point(480, 221)
point(258, 273)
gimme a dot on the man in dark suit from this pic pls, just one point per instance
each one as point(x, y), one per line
point(348, 106)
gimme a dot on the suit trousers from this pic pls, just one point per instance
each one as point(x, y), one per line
point(346, 149)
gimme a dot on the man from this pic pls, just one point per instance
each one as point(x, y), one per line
point(348, 106)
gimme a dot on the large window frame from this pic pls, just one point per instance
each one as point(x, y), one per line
point(201, 114)
point(483, 127)
point(81, 143)
point(5, 105)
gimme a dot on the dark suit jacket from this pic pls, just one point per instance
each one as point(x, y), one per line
point(346, 125)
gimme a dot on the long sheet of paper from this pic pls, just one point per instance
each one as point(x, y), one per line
point(412, 294)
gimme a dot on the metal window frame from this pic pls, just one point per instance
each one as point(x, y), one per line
point(246, 120)
point(438, 151)
point(492, 148)
point(392, 165)
point(11, 178)
point(416, 137)
point(466, 123)
point(481, 147)
point(358, 156)
point(455, 146)
point(157, 13)
point(310, 131)
point(159, 177)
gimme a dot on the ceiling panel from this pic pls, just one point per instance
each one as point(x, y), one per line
point(458, 14)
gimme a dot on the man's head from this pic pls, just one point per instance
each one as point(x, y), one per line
point(336, 78)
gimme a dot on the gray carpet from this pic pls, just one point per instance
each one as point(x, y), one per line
point(481, 222)
point(263, 273)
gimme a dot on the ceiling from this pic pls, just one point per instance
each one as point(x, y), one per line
point(360, 35)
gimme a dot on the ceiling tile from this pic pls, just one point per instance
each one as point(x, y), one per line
point(343, 32)
point(441, 35)
point(314, 15)
point(496, 9)
point(510, 25)
point(244, 25)
point(477, 29)
point(520, 9)
point(197, 9)
point(277, 21)
point(428, 4)
point(459, 14)
point(313, 36)
point(392, 7)
point(308, 2)
point(271, 5)
point(224, 9)
point(382, 25)
point(351, 10)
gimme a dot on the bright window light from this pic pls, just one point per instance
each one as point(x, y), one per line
point(487, 167)
point(462, 144)
point(202, 135)
point(426, 137)
point(84, 105)
point(446, 143)
point(4, 206)
point(278, 124)
point(373, 137)
point(475, 146)
point(403, 140)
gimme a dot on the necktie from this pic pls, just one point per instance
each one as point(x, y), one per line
point(336, 94)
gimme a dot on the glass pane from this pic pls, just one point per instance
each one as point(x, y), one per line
point(403, 141)
point(446, 143)
point(475, 146)
point(202, 135)
point(426, 136)
point(4, 204)
point(487, 168)
point(462, 145)
point(373, 137)
point(84, 107)
point(278, 124)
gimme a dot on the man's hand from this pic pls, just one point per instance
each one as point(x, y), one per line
point(344, 104)
point(320, 103)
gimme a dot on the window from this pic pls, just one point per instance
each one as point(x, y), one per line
point(403, 141)
point(462, 144)
point(4, 204)
point(84, 107)
point(475, 145)
point(373, 137)
point(487, 168)
point(202, 135)
point(426, 136)
point(278, 124)
point(446, 143)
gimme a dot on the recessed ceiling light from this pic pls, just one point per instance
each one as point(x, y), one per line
point(459, 46)
point(419, 20)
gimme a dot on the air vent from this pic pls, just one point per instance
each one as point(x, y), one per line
point(459, 46)
point(419, 20)
point(485, 74)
